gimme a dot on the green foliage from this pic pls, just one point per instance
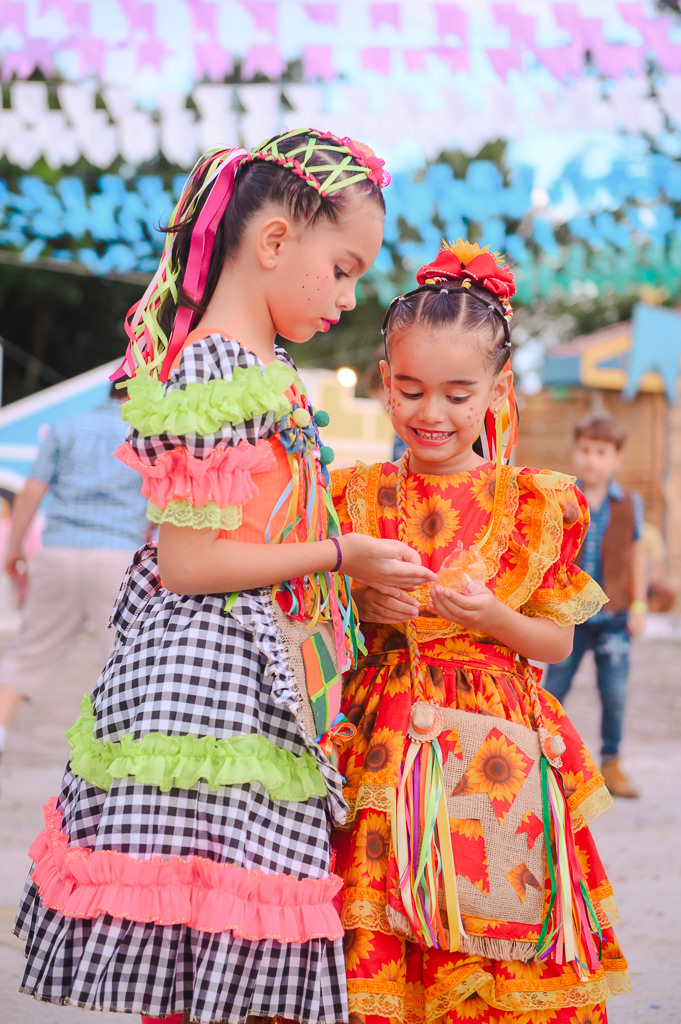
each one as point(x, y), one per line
point(65, 323)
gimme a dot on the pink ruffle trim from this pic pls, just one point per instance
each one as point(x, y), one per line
point(223, 477)
point(195, 891)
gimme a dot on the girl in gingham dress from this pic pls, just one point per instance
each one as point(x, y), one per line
point(184, 869)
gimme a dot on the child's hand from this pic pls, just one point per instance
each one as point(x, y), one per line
point(386, 565)
point(475, 608)
point(374, 606)
point(636, 623)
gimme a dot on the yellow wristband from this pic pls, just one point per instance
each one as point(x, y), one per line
point(638, 607)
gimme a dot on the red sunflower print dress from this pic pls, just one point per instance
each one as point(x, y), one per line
point(540, 518)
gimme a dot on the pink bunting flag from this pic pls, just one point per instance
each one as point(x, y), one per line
point(14, 16)
point(504, 61)
point(263, 13)
point(318, 62)
point(41, 53)
point(415, 60)
point(212, 60)
point(204, 18)
point(65, 7)
point(264, 59)
point(586, 32)
point(615, 61)
point(456, 60)
point(16, 62)
point(450, 20)
point(140, 15)
point(76, 45)
point(81, 20)
point(567, 16)
point(323, 14)
point(562, 61)
point(92, 54)
point(48, 5)
point(655, 34)
point(151, 53)
point(36, 53)
point(376, 58)
point(521, 27)
point(384, 14)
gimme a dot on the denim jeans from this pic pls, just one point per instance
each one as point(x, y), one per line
point(608, 638)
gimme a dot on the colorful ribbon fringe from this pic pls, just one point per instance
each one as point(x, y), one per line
point(423, 848)
point(311, 516)
point(567, 931)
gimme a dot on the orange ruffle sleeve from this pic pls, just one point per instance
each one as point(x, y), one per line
point(564, 592)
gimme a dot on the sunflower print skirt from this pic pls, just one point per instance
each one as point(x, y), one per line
point(393, 979)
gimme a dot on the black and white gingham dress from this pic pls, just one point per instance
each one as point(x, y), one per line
point(181, 665)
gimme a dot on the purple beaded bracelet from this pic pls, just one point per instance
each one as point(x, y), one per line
point(339, 560)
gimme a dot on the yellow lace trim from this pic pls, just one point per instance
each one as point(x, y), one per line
point(573, 993)
point(389, 999)
point(507, 500)
point(588, 803)
point(609, 909)
point(543, 540)
point(339, 480)
point(369, 798)
point(356, 498)
point(384, 1005)
point(569, 610)
point(205, 517)
point(365, 914)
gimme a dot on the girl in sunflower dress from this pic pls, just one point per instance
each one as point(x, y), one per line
point(184, 871)
point(436, 929)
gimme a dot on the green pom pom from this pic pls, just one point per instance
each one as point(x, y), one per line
point(321, 418)
point(326, 455)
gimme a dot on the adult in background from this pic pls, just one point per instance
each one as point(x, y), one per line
point(94, 522)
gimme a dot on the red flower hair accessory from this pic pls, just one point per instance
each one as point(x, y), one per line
point(366, 156)
point(467, 261)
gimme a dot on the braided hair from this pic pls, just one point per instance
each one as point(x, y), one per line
point(449, 304)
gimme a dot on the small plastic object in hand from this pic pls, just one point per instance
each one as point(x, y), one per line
point(463, 567)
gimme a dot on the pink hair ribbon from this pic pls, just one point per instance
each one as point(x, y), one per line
point(201, 248)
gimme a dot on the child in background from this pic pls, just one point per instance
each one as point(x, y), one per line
point(419, 847)
point(613, 554)
point(184, 869)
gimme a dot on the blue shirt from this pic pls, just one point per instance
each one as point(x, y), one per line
point(95, 500)
point(592, 561)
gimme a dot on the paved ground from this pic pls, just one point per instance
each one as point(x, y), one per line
point(638, 839)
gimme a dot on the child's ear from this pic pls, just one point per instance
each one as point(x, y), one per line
point(500, 389)
point(384, 367)
point(270, 237)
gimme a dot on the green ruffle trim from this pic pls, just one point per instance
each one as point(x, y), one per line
point(202, 517)
point(180, 761)
point(205, 408)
